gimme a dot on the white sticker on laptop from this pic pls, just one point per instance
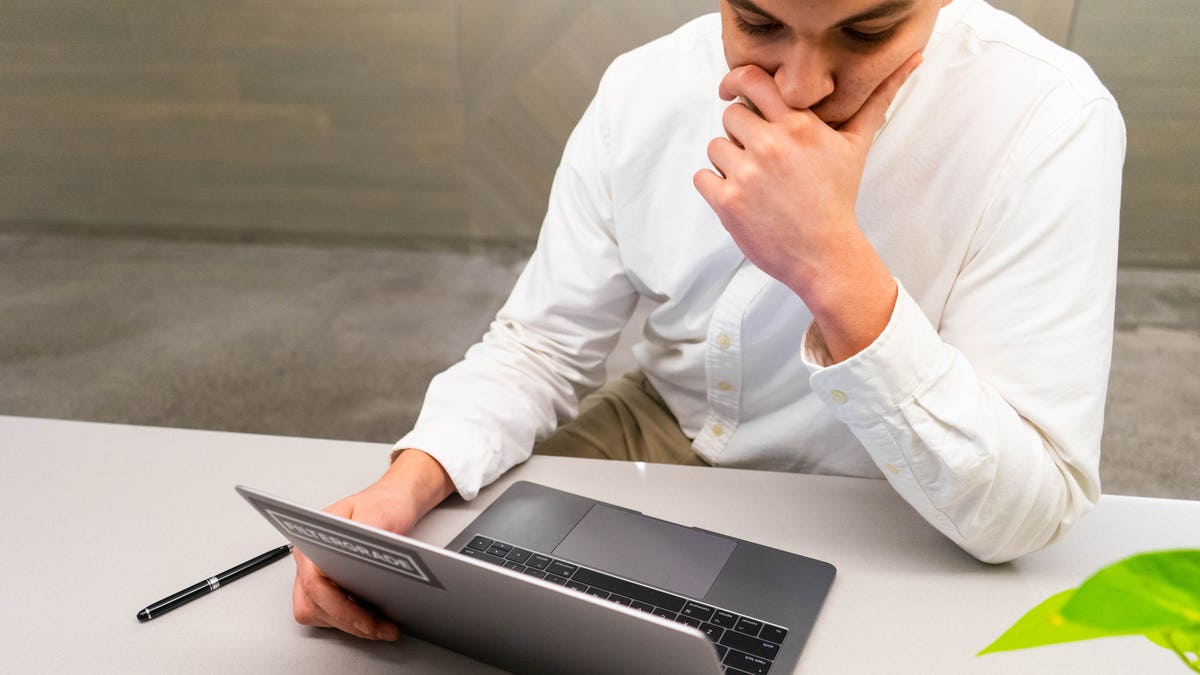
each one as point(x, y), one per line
point(391, 557)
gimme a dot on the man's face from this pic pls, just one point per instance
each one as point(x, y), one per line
point(826, 55)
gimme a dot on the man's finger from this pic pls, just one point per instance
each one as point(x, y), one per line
point(723, 154)
point(334, 607)
point(305, 611)
point(319, 602)
point(709, 185)
point(869, 119)
point(383, 630)
point(758, 87)
point(741, 124)
point(749, 106)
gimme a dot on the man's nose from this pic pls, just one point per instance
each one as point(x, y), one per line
point(804, 77)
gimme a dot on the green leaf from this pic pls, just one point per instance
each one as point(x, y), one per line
point(1045, 625)
point(1147, 593)
point(1184, 643)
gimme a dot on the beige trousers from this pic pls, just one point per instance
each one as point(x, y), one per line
point(625, 419)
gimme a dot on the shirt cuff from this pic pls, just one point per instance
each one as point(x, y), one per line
point(881, 376)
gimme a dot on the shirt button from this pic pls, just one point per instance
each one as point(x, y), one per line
point(724, 341)
point(718, 430)
point(838, 396)
point(724, 386)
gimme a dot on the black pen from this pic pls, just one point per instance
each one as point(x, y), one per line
point(212, 583)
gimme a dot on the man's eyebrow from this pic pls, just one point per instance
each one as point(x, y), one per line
point(751, 7)
point(880, 11)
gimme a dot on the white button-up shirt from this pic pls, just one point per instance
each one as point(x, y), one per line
point(992, 195)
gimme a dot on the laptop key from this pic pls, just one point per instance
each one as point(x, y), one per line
point(775, 634)
point(644, 606)
point(748, 626)
point(494, 559)
point(685, 619)
point(602, 594)
point(722, 650)
point(724, 619)
point(576, 586)
point(620, 599)
point(750, 645)
point(498, 550)
point(515, 566)
point(502, 546)
point(712, 630)
point(629, 589)
point(698, 611)
point(562, 569)
point(747, 662)
point(535, 572)
point(665, 613)
point(518, 555)
point(555, 579)
point(480, 543)
point(538, 561)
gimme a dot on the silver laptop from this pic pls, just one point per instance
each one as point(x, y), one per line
point(545, 581)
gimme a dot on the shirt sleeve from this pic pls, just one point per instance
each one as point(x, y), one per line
point(989, 424)
point(547, 346)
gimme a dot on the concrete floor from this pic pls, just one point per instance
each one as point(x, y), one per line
point(340, 342)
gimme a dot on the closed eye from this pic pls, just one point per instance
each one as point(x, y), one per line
point(756, 28)
point(869, 37)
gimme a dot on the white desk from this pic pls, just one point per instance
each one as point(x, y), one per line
point(101, 520)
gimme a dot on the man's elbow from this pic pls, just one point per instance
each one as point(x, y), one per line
point(1041, 526)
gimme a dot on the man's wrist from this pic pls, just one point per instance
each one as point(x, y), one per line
point(417, 472)
point(851, 296)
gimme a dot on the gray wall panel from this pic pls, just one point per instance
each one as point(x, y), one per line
point(401, 120)
point(529, 69)
point(1148, 54)
point(1051, 18)
point(342, 118)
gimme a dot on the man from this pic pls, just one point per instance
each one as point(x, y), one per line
point(888, 271)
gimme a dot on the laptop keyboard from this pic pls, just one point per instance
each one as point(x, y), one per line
point(744, 644)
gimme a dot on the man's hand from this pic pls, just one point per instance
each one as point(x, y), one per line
point(786, 193)
point(413, 485)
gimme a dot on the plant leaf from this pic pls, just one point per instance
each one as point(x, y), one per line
point(1185, 643)
point(1147, 593)
point(1045, 625)
point(1178, 640)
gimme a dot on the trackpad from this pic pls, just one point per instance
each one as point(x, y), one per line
point(654, 552)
